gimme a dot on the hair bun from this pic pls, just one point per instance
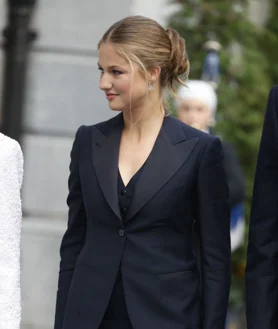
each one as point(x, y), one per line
point(143, 41)
point(178, 61)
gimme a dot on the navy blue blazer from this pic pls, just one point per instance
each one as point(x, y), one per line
point(262, 257)
point(183, 181)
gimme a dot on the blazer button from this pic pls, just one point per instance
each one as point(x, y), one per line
point(123, 192)
point(121, 232)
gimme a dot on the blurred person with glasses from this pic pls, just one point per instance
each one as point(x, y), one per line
point(196, 105)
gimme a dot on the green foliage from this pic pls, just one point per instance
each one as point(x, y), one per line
point(269, 43)
point(249, 68)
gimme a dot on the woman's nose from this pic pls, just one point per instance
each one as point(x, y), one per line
point(104, 82)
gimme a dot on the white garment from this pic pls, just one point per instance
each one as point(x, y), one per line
point(11, 175)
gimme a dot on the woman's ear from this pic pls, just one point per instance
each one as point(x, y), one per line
point(154, 74)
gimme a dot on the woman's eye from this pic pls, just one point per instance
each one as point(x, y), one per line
point(116, 72)
point(101, 70)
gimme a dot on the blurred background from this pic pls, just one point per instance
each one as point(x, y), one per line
point(49, 87)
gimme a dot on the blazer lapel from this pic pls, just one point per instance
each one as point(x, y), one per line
point(106, 143)
point(170, 151)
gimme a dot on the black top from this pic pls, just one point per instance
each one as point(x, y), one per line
point(116, 315)
point(125, 193)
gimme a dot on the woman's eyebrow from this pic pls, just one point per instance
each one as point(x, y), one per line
point(110, 67)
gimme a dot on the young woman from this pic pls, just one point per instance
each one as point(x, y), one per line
point(11, 174)
point(137, 183)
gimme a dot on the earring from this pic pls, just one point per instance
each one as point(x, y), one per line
point(150, 86)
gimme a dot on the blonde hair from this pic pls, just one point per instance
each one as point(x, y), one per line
point(143, 41)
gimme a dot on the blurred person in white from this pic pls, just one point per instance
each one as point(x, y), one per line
point(11, 175)
point(196, 106)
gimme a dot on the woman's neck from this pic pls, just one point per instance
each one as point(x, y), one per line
point(139, 124)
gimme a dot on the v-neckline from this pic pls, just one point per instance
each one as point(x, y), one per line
point(159, 133)
point(133, 177)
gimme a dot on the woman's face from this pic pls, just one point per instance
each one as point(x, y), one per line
point(124, 89)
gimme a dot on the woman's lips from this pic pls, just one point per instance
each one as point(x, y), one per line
point(110, 97)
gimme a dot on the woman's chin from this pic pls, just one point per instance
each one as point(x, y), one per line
point(115, 108)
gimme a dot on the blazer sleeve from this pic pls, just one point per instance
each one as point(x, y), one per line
point(74, 236)
point(262, 256)
point(214, 227)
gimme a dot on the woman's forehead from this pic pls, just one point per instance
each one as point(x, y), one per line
point(108, 56)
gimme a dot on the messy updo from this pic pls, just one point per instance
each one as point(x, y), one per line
point(143, 41)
